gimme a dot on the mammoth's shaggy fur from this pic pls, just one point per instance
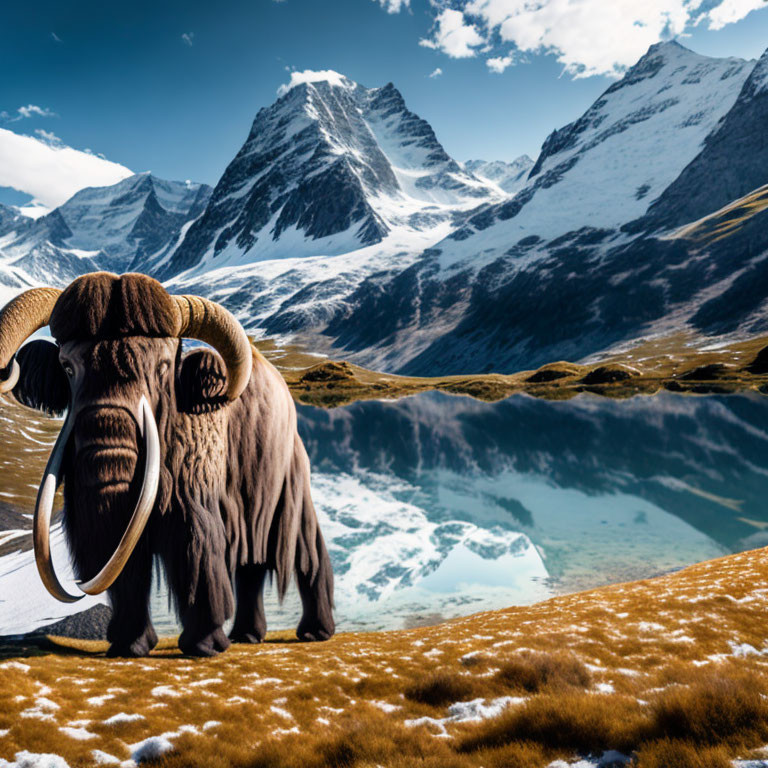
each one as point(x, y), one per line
point(234, 498)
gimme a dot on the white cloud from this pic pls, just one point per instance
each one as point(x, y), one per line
point(188, 38)
point(51, 173)
point(312, 76)
point(30, 110)
point(499, 63)
point(393, 6)
point(436, 73)
point(730, 11)
point(55, 37)
point(49, 137)
point(454, 35)
point(588, 37)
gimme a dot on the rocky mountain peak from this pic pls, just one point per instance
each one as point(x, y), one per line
point(11, 220)
point(330, 167)
point(733, 160)
point(757, 83)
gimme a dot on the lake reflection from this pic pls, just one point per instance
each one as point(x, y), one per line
point(438, 506)
point(443, 505)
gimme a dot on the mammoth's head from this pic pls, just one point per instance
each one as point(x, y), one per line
point(116, 364)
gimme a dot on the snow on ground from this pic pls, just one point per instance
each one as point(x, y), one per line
point(103, 758)
point(25, 604)
point(151, 748)
point(609, 759)
point(123, 717)
point(467, 712)
point(613, 759)
point(26, 759)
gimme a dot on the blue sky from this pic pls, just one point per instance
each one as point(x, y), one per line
point(172, 86)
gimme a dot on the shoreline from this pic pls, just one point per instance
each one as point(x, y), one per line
point(677, 364)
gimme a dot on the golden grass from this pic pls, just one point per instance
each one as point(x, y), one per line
point(673, 669)
point(565, 722)
point(667, 753)
point(725, 221)
point(714, 710)
point(533, 672)
point(712, 713)
point(440, 688)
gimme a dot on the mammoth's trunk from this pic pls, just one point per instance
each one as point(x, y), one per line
point(51, 480)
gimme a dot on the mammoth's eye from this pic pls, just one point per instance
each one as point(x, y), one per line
point(163, 367)
point(68, 369)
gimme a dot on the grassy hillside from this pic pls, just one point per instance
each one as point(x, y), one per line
point(672, 670)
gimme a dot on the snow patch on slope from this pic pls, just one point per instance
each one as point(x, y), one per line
point(606, 168)
point(18, 576)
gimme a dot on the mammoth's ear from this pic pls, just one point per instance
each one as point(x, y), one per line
point(42, 382)
point(201, 385)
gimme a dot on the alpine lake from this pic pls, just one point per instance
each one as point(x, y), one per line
point(438, 505)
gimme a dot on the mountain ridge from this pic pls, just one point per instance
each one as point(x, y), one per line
point(343, 221)
point(117, 228)
point(505, 291)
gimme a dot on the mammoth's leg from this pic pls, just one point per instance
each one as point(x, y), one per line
point(316, 593)
point(130, 631)
point(250, 623)
point(198, 573)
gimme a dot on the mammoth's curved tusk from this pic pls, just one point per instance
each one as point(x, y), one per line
point(105, 578)
point(12, 380)
point(107, 575)
point(42, 519)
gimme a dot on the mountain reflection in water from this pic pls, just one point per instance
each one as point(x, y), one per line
point(603, 490)
point(437, 506)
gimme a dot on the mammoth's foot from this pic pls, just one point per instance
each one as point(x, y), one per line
point(141, 646)
point(208, 645)
point(248, 628)
point(314, 628)
point(253, 637)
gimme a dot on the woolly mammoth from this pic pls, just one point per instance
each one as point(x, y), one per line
point(193, 459)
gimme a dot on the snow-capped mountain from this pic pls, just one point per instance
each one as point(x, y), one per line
point(330, 168)
point(732, 163)
point(511, 177)
point(343, 219)
point(118, 228)
point(587, 254)
point(577, 260)
point(334, 183)
point(604, 169)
